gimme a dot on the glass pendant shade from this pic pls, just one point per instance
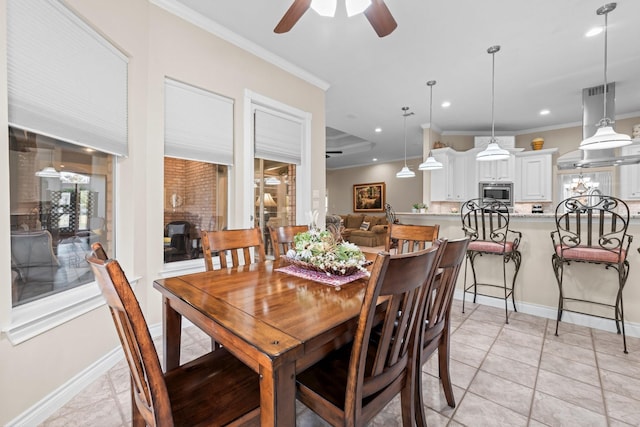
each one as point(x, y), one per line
point(355, 7)
point(431, 164)
point(48, 172)
point(405, 172)
point(492, 152)
point(324, 7)
point(605, 137)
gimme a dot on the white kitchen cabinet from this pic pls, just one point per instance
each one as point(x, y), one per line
point(534, 176)
point(449, 183)
point(496, 170)
point(630, 175)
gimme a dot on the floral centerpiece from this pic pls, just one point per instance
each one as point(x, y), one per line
point(317, 250)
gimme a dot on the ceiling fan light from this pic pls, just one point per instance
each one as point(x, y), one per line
point(48, 172)
point(431, 164)
point(492, 152)
point(605, 137)
point(405, 172)
point(325, 7)
point(355, 7)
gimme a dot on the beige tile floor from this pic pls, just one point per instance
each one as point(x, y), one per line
point(516, 374)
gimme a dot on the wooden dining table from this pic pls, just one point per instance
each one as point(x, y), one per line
point(277, 324)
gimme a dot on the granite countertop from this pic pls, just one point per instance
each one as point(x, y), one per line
point(511, 215)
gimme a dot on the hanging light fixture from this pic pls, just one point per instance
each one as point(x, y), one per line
point(405, 172)
point(431, 163)
point(49, 171)
point(493, 150)
point(605, 136)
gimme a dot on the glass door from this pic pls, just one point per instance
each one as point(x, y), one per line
point(275, 200)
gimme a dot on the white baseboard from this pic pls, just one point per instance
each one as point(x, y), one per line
point(55, 400)
point(631, 329)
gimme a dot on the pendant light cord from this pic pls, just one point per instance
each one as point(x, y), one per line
point(605, 65)
point(493, 95)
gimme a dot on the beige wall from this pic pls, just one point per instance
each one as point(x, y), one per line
point(401, 192)
point(159, 45)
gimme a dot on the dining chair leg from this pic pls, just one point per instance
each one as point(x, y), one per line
point(420, 415)
point(443, 368)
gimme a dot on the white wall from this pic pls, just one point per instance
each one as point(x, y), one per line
point(158, 45)
point(401, 192)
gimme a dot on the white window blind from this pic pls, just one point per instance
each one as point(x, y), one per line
point(278, 137)
point(64, 79)
point(198, 124)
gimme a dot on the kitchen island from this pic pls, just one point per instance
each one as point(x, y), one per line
point(536, 290)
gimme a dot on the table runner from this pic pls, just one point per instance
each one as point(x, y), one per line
point(318, 276)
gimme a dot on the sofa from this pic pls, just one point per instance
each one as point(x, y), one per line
point(374, 235)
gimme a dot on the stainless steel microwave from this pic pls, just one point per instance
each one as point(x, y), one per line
point(501, 191)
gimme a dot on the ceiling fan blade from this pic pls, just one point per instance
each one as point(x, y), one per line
point(293, 14)
point(380, 18)
point(333, 151)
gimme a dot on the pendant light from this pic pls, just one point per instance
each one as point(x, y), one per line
point(49, 171)
point(405, 172)
point(605, 136)
point(431, 163)
point(493, 150)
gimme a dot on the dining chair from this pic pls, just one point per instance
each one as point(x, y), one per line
point(214, 389)
point(486, 222)
point(352, 384)
point(99, 251)
point(592, 229)
point(282, 238)
point(235, 242)
point(436, 332)
point(410, 238)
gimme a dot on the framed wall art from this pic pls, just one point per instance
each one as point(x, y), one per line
point(369, 197)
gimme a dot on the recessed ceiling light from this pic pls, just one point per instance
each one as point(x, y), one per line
point(446, 104)
point(378, 130)
point(593, 32)
point(375, 159)
point(544, 112)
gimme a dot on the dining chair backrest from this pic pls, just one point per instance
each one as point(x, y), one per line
point(235, 241)
point(437, 312)
point(411, 238)
point(488, 221)
point(593, 228)
point(99, 251)
point(149, 388)
point(282, 238)
point(381, 364)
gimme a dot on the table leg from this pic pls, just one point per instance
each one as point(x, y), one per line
point(172, 330)
point(278, 395)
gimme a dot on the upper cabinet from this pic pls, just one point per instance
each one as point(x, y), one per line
point(496, 170)
point(449, 183)
point(630, 175)
point(533, 181)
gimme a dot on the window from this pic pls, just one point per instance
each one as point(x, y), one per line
point(61, 203)
point(195, 199)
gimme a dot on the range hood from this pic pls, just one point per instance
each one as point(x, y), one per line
point(592, 112)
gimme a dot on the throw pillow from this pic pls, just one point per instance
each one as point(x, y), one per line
point(364, 226)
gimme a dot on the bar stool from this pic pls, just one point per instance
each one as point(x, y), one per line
point(486, 222)
point(592, 229)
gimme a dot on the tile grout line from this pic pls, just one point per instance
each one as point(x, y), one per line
point(535, 383)
point(595, 356)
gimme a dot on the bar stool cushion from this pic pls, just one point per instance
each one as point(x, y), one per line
point(491, 247)
point(591, 254)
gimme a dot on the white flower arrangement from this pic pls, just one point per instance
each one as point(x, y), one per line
point(319, 251)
